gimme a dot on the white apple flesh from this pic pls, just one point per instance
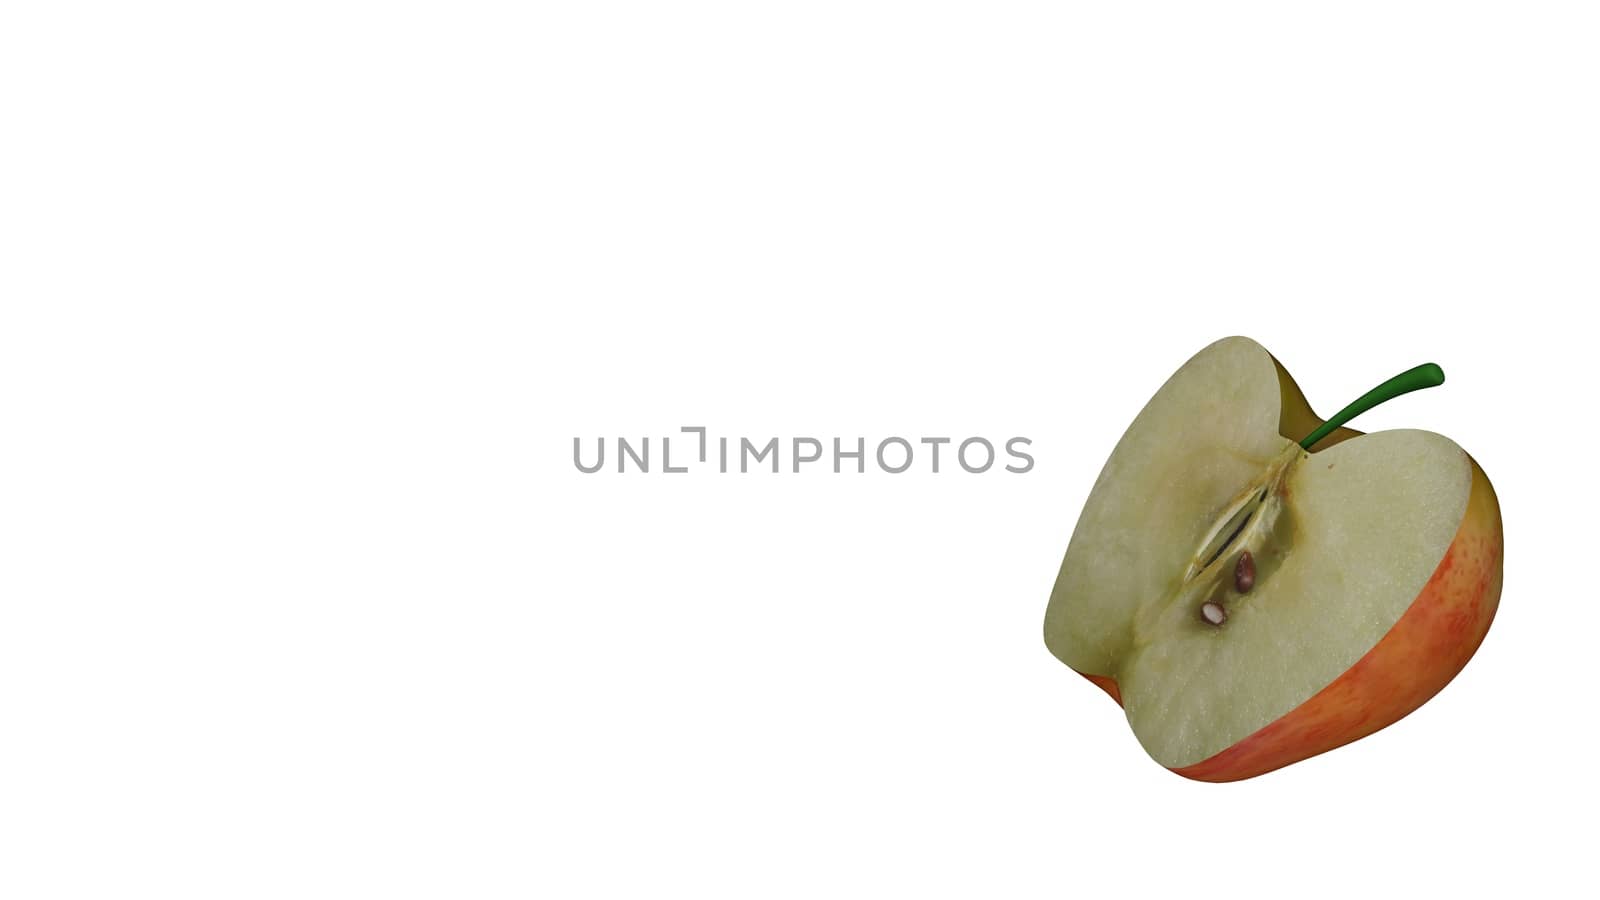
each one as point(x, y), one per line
point(1229, 666)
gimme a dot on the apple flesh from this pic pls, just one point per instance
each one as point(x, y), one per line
point(1374, 571)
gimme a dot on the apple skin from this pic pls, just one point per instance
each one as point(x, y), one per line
point(1430, 643)
point(1420, 654)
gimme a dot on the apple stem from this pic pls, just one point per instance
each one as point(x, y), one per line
point(1426, 375)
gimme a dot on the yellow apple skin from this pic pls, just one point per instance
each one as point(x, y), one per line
point(1427, 647)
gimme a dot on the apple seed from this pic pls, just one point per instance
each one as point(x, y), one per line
point(1213, 613)
point(1244, 573)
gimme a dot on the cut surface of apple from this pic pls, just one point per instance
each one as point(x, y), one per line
point(1205, 648)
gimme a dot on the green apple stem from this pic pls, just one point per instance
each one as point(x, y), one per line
point(1426, 375)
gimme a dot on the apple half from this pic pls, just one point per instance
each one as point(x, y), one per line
point(1251, 603)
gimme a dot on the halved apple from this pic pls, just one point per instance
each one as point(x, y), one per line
point(1251, 603)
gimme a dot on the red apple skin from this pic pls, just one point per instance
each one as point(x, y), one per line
point(1104, 683)
point(1426, 648)
point(1430, 643)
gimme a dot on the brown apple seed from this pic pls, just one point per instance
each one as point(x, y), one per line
point(1213, 613)
point(1244, 573)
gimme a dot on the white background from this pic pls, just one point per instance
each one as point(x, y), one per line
point(304, 304)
